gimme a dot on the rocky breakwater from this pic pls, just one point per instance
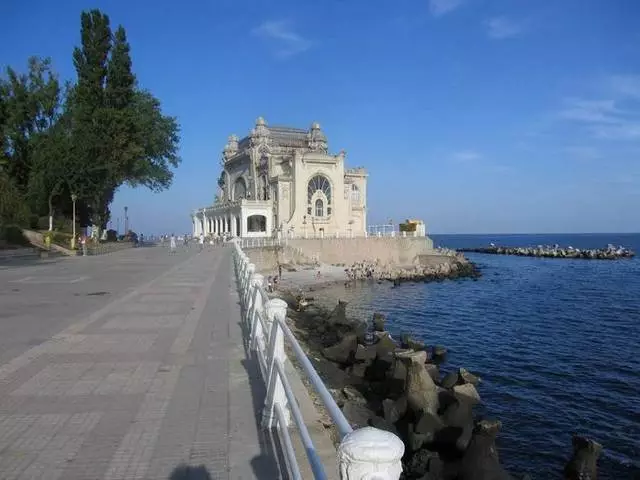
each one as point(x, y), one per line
point(609, 253)
point(398, 386)
point(431, 267)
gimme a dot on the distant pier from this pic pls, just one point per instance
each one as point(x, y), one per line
point(610, 252)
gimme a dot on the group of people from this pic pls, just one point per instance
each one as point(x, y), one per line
point(201, 241)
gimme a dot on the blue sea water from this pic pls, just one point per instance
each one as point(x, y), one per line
point(556, 342)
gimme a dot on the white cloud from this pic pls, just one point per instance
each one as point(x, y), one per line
point(442, 7)
point(604, 118)
point(626, 85)
point(466, 156)
point(502, 27)
point(286, 41)
point(600, 111)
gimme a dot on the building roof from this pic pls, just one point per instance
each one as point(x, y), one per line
point(283, 136)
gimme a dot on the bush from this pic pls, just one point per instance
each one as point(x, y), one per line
point(112, 236)
point(12, 234)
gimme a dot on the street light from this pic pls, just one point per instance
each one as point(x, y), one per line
point(74, 197)
point(126, 221)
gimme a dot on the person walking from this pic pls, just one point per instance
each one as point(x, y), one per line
point(172, 244)
point(201, 241)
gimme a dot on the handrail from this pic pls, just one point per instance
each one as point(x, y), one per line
point(367, 452)
point(343, 426)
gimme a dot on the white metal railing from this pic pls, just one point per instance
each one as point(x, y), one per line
point(364, 453)
point(273, 241)
point(259, 242)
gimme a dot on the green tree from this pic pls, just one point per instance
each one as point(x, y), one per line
point(29, 106)
point(117, 128)
point(158, 136)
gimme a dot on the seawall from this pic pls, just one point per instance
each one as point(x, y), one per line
point(399, 251)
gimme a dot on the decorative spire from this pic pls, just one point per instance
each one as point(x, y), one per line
point(260, 133)
point(231, 148)
point(316, 140)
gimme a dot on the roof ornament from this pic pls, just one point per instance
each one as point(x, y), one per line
point(231, 148)
point(316, 139)
point(260, 133)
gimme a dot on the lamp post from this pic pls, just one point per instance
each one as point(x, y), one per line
point(74, 197)
point(304, 226)
point(126, 221)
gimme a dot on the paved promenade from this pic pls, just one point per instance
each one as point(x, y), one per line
point(128, 365)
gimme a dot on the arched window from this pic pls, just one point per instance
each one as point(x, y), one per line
point(355, 194)
point(239, 189)
point(319, 188)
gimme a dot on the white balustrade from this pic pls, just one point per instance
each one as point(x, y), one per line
point(364, 454)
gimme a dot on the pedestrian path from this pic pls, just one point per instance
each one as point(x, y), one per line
point(154, 385)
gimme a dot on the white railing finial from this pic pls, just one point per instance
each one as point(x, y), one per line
point(370, 454)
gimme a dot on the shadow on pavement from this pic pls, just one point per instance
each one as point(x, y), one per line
point(187, 472)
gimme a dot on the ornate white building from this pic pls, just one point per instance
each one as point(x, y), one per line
point(281, 181)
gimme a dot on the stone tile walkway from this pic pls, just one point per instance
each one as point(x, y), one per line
point(153, 385)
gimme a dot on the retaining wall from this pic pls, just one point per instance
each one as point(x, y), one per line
point(399, 251)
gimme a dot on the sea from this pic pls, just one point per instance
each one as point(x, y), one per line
point(556, 342)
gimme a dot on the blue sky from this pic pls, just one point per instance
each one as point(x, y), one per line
point(474, 115)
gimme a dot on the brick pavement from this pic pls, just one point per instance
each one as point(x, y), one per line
point(151, 381)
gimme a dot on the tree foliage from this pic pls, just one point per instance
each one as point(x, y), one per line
point(87, 138)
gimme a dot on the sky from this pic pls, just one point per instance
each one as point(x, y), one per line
point(477, 116)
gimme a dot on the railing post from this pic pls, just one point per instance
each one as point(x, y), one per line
point(276, 310)
point(255, 303)
point(370, 453)
point(246, 284)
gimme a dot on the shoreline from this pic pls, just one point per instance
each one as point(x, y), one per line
point(371, 383)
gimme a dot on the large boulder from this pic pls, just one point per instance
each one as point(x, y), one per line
point(365, 353)
point(357, 414)
point(583, 464)
point(421, 392)
point(344, 351)
point(433, 371)
point(450, 380)
point(382, 424)
point(455, 437)
point(427, 427)
point(393, 410)
point(378, 322)
point(465, 376)
point(339, 314)
point(424, 462)
point(480, 461)
point(467, 393)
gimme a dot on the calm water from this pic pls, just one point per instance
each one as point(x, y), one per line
point(557, 343)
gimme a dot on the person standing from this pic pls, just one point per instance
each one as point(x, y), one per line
point(279, 271)
point(201, 241)
point(172, 244)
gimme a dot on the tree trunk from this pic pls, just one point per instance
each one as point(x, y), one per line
point(51, 213)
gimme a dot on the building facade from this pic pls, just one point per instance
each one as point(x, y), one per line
point(282, 181)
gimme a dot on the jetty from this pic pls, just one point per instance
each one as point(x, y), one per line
point(610, 252)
